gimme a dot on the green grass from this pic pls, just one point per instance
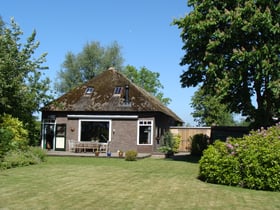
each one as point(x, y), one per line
point(103, 183)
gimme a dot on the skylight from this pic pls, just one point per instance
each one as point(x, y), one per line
point(117, 90)
point(89, 90)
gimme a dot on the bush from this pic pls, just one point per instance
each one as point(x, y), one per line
point(131, 155)
point(171, 143)
point(251, 162)
point(15, 126)
point(200, 142)
point(6, 137)
point(176, 140)
point(18, 158)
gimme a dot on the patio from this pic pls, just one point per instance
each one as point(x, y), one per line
point(92, 154)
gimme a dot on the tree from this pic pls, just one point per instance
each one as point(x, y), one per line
point(148, 80)
point(22, 90)
point(93, 59)
point(209, 111)
point(233, 50)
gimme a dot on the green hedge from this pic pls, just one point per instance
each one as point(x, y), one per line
point(200, 142)
point(18, 158)
point(251, 162)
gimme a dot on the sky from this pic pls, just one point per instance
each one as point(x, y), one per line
point(143, 29)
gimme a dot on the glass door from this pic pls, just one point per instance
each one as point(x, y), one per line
point(60, 137)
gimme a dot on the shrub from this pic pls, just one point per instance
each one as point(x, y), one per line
point(176, 140)
point(18, 158)
point(165, 149)
point(199, 143)
point(15, 126)
point(6, 137)
point(251, 162)
point(171, 143)
point(131, 155)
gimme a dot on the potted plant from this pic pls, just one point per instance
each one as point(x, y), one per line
point(120, 153)
point(167, 150)
point(96, 152)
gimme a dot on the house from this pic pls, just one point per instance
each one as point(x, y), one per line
point(108, 109)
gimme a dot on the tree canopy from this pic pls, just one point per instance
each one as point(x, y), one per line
point(209, 111)
point(93, 59)
point(22, 89)
point(148, 80)
point(233, 50)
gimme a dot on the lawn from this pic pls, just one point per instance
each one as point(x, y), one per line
point(110, 183)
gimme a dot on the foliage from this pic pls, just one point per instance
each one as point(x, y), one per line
point(250, 162)
point(170, 144)
point(208, 110)
point(148, 80)
point(165, 149)
point(176, 142)
point(22, 90)
point(232, 49)
point(17, 131)
point(18, 158)
point(93, 59)
point(131, 155)
point(199, 143)
point(34, 130)
point(6, 137)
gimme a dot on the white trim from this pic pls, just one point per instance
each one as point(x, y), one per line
point(95, 120)
point(151, 132)
point(103, 116)
point(43, 130)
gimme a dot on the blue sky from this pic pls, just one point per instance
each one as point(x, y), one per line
point(141, 27)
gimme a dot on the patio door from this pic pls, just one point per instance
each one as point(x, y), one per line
point(48, 134)
point(60, 137)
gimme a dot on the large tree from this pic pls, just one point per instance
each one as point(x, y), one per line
point(233, 50)
point(209, 111)
point(22, 89)
point(93, 59)
point(148, 80)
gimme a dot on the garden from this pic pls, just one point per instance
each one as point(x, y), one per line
point(216, 180)
point(113, 183)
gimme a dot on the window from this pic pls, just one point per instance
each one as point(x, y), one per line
point(117, 90)
point(89, 90)
point(95, 130)
point(145, 131)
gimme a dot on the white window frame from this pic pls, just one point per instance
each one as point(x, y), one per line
point(95, 120)
point(144, 122)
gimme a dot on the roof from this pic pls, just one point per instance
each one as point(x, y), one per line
point(106, 97)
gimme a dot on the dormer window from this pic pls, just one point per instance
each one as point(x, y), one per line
point(118, 90)
point(89, 90)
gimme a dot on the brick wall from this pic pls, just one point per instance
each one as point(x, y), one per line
point(124, 135)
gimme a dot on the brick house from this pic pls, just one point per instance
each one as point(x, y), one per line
point(109, 109)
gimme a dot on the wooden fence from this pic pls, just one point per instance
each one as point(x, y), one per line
point(186, 133)
point(214, 133)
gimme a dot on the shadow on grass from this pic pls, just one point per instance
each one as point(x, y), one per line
point(184, 157)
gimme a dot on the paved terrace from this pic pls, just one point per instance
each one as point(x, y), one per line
point(91, 154)
point(177, 156)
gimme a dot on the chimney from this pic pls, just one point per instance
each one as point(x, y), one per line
point(126, 99)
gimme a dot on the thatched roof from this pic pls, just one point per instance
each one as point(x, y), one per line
point(105, 97)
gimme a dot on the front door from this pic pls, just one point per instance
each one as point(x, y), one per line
point(60, 137)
